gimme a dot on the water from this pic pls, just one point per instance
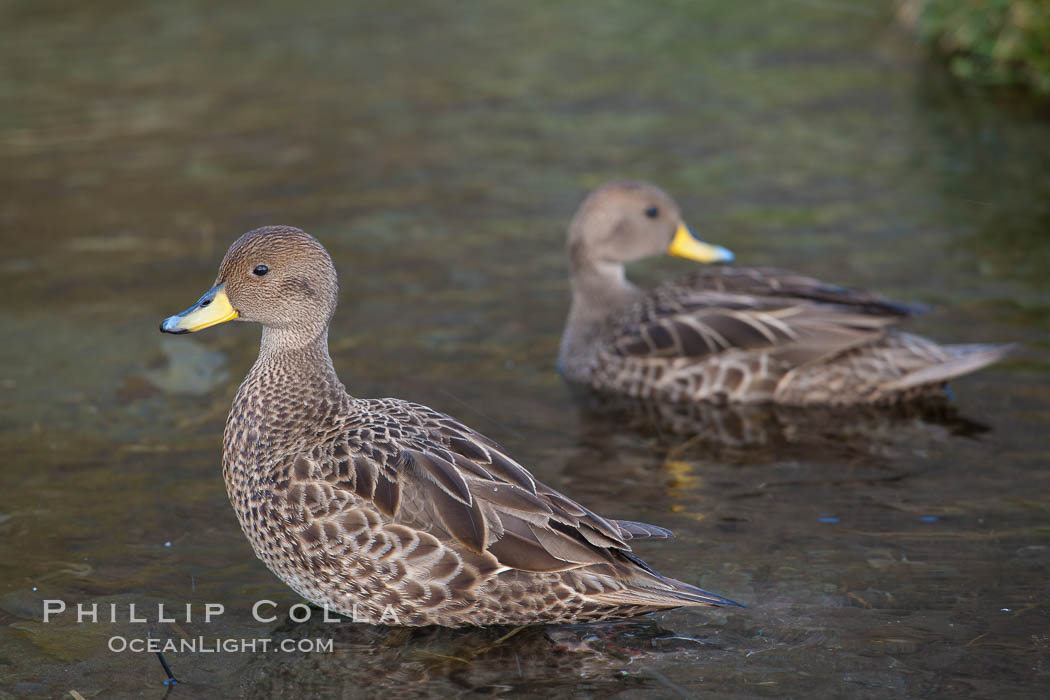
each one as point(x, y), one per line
point(439, 150)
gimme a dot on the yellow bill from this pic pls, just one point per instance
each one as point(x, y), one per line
point(210, 310)
point(686, 245)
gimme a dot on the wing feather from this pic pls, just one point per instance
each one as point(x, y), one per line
point(438, 472)
point(715, 310)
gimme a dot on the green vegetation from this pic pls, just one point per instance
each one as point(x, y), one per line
point(994, 42)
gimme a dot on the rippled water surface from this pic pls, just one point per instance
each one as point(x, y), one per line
point(438, 150)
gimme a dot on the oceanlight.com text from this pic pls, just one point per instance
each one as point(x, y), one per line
point(202, 645)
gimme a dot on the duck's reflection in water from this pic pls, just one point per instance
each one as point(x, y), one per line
point(758, 433)
point(393, 662)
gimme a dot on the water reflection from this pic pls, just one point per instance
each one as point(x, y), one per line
point(429, 661)
point(756, 433)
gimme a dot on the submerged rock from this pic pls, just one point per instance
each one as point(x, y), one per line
point(191, 368)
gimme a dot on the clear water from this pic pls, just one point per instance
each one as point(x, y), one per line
point(438, 150)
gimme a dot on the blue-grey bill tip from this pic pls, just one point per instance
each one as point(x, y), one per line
point(170, 325)
point(724, 254)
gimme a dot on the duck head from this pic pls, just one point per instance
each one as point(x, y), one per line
point(277, 276)
point(624, 221)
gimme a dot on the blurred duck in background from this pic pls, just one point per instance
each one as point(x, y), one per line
point(732, 334)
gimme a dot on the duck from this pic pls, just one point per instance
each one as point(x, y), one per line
point(388, 511)
point(726, 333)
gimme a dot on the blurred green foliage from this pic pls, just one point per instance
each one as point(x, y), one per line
point(995, 42)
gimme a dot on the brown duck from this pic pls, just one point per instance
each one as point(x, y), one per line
point(386, 510)
point(746, 334)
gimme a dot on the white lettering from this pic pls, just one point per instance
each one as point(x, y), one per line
point(160, 614)
point(259, 604)
point(53, 607)
point(82, 612)
point(389, 611)
point(306, 610)
point(115, 642)
point(131, 614)
point(211, 609)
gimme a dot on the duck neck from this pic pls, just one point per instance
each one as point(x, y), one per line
point(297, 362)
point(308, 348)
point(290, 386)
point(600, 292)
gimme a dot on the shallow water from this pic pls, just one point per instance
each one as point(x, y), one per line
point(439, 151)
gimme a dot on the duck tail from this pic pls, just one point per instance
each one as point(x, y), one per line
point(698, 596)
point(962, 359)
point(651, 589)
point(665, 594)
point(632, 530)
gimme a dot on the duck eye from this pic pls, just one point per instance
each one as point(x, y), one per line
point(652, 212)
point(260, 270)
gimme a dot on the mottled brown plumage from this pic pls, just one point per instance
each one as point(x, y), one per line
point(388, 510)
point(727, 333)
